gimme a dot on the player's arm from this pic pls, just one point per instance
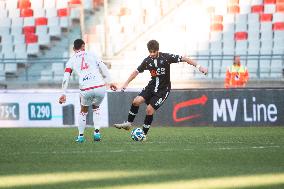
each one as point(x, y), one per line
point(130, 78)
point(65, 82)
point(195, 64)
point(106, 75)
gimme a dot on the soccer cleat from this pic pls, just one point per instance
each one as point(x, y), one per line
point(125, 125)
point(80, 139)
point(97, 137)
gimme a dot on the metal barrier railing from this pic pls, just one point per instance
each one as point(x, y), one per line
point(31, 69)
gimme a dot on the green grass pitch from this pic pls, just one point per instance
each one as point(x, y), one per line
point(199, 158)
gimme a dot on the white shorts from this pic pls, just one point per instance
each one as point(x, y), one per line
point(92, 96)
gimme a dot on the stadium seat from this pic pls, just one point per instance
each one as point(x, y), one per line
point(24, 4)
point(241, 36)
point(37, 4)
point(269, 8)
point(280, 7)
point(62, 12)
point(11, 67)
point(257, 9)
point(278, 17)
point(33, 49)
point(253, 47)
point(49, 4)
point(245, 9)
point(216, 48)
point(11, 4)
point(39, 12)
point(31, 38)
point(3, 13)
point(18, 39)
point(252, 65)
point(41, 21)
point(51, 12)
point(278, 26)
point(26, 13)
point(278, 35)
point(235, 9)
point(241, 48)
point(29, 21)
point(265, 17)
point(14, 13)
point(216, 27)
point(16, 30)
point(28, 30)
point(74, 2)
point(278, 47)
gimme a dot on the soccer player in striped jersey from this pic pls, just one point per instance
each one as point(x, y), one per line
point(93, 80)
point(158, 88)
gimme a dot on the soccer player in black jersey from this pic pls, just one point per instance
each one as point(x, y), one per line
point(158, 88)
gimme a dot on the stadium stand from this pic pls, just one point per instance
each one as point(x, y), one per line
point(210, 31)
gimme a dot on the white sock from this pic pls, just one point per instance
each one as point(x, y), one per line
point(97, 118)
point(82, 122)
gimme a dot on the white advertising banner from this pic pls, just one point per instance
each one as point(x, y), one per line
point(40, 108)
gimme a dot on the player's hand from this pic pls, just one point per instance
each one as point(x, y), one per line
point(62, 99)
point(113, 86)
point(203, 70)
point(123, 88)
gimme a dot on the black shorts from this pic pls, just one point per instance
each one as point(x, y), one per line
point(156, 99)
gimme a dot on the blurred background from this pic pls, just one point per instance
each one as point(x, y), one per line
point(36, 38)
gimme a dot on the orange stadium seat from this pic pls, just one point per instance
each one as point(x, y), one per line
point(75, 2)
point(269, 1)
point(217, 19)
point(278, 26)
point(257, 9)
point(31, 38)
point(62, 12)
point(241, 36)
point(265, 17)
point(280, 7)
point(24, 4)
point(28, 29)
point(216, 27)
point(41, 21)
point(235, 9)
point(26, 12)
point(279, 1)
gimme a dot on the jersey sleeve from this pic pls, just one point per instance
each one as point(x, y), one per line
point(67, 73)
point(173, 58)
point(142, 67)
point(104, 71)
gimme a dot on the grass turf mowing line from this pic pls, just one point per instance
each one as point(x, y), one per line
point(179, 153)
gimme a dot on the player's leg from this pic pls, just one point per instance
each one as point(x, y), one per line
point(85, 103)
point(97, 122)
point(82, 124)
point(98, 96)
point(131, 114)
point(154, 104)
point(140, 99)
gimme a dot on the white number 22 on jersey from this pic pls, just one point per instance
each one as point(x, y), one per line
point(84, 65)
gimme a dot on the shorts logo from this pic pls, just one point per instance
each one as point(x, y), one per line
point(159, 102)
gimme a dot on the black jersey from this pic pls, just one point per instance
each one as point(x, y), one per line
point(159, 69)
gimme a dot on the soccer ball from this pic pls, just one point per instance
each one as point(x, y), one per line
point(137, 134)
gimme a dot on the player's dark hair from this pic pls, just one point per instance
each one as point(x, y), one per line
point(78, 44)
point(153, 45)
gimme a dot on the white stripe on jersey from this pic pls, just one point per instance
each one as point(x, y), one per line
point(157, 84)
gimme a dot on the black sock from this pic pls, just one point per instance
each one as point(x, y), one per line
point(81, 135)
point(147, 123)
point(132, 113)
point(97, 131)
